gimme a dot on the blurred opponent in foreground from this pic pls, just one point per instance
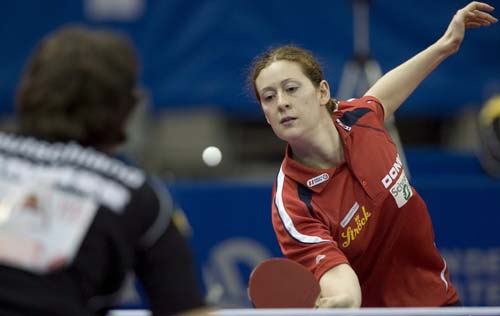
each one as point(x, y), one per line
point(74, 221)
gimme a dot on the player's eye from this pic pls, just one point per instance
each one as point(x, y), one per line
point(291, 88)
point(268, 97)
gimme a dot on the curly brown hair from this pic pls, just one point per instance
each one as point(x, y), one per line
point(309, 64)
point(79, 86)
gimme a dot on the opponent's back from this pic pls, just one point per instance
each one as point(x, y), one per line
point(71, 221)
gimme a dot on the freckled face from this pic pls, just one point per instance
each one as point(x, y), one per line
point(290, 101)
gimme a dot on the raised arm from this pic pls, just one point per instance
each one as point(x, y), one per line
point(396, 85)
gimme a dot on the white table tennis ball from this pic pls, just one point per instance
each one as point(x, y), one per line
point(212, 156)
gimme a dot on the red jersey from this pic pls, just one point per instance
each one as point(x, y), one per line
point(362, 212)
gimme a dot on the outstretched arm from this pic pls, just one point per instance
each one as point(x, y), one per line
point(340, 288)
point(396, 85)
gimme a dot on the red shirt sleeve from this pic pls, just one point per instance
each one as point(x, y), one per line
point(301, 236)
point(369, 102)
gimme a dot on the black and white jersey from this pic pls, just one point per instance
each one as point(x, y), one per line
point(74, 222)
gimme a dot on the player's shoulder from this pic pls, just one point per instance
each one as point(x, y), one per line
point(367, 109)
point(72, 156)
point(367, 102)
point(117, 168)
point(109, 181)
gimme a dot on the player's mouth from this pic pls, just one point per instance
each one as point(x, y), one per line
point(287, 120)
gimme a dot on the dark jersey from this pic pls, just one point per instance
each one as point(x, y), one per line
point(362, 212)
point(74, 222)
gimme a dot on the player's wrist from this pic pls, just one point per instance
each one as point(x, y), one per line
point(447, 45)
point(343, 300)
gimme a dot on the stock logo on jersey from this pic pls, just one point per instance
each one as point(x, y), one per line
point(360, 221)
point(401, 191)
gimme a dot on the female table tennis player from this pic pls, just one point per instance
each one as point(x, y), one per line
point(342, 204)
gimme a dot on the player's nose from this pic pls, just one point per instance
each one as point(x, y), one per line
point(282, 101)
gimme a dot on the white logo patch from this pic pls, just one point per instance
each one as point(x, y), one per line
point(393, 173)
point(347, 128)
point(349, 215)
point(319, 258)
point(317, 180)
point(42, 227)
point(401, 190)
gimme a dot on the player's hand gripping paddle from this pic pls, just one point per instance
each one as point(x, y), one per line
point(282, 283)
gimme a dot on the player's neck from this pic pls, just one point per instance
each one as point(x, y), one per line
point(323, 151)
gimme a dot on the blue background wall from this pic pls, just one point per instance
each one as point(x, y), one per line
point(197, 52)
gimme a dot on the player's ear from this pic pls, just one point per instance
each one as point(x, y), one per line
point(324, 92)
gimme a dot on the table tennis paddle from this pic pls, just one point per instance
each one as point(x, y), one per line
point(282, 283)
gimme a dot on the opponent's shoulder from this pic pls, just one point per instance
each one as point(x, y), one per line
point(150, 208)
point(70, 155)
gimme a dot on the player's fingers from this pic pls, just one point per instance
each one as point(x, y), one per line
point(325, 302)
point(481, 22)
point(480, 15)
point(476, 5)
point(472, 25)
point(317, 303)
point(331, 302)
point(478, 21)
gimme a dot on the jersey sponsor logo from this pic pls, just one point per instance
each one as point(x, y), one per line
point(349, 215)
point(401, 191)
point(393, 173)
point(317, 180)
point(41, 226)
point(347, 128)
point(352, 233)
point(319, 258)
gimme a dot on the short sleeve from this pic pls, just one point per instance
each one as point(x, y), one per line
point(370, 103)
point(374, 104)
point(302, 236)
point(167, 272)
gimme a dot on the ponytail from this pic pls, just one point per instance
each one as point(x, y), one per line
point(332, 105)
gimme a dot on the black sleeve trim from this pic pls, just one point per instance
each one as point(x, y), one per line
point(350, 118)
point(163, 219)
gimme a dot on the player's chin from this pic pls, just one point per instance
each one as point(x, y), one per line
point(290, 135)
